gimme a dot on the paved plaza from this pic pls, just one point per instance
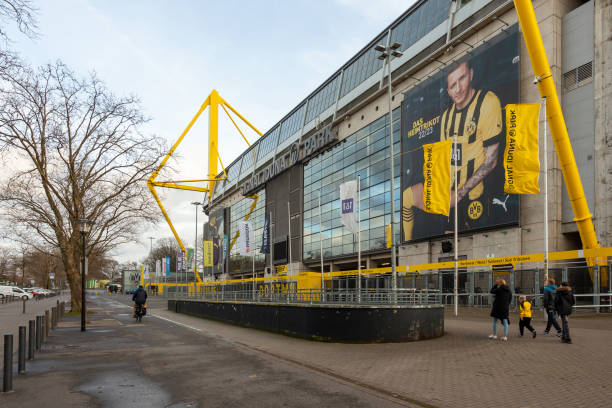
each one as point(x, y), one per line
point(178, 360)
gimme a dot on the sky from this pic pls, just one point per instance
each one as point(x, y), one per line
point(263, 57)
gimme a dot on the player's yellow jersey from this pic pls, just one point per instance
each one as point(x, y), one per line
point(476, 126)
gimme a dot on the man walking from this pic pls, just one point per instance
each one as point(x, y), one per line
point(564, 300)
point(549, 306)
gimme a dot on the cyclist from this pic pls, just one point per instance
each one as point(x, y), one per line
point(139, 298)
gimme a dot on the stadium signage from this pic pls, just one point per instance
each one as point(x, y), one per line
point(298, 152)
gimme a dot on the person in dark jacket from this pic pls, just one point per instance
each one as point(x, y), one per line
point(501, 307)
point(564, 300)
point(139, 297)
point(549, 306)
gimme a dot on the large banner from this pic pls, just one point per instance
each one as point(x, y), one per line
point(214, 233)
point(464, 100)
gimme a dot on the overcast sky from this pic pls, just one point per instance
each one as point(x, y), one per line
point(263, 57)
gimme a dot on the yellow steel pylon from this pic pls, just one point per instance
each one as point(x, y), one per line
point(558, 130)
point(213, 101)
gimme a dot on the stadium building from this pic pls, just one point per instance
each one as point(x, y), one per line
point(461, 63)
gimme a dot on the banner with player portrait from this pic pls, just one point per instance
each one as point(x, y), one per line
point(214, 237)
point(465, 99)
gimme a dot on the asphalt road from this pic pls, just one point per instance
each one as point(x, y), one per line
point(158, 363)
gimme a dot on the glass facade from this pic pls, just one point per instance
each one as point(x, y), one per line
point(362, 68)
point(322, 99)
point(268, 143)
point(407, 31)
point(420, 22)
point(292, 124)
point(239, 263)
point(365, 154)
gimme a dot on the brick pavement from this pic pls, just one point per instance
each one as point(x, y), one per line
point(461, 369)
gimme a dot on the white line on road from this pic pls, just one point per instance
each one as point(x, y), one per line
point(179, 324)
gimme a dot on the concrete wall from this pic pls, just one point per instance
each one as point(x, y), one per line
point(354, 324)
point(602, 89)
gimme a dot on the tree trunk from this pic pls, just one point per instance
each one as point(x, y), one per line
point(71, 266)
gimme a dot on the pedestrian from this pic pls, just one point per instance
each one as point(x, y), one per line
point(501, 307)
point(564, 300)
point(549, 306)
point(525, 321)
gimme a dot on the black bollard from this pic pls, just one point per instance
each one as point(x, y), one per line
point(22, 350)
point(24, 303)
point(53, 317)
point(8, 363)
point(43, 332)
point(31, 339)
point(47, 324)
point(38, 332)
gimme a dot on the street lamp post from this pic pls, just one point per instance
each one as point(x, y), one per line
point(84, 228)
point(195, 253)
point(385, 54)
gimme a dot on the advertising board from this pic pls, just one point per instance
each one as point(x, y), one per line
point(466, 99)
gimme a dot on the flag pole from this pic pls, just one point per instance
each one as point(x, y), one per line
point(358, 238)
point(456, 275)
point(321, 247)
point(289, 267)
point(545, 197)
point(253, 262)
point(271, 249)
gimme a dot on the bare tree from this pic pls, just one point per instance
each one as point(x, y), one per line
point(6, 263)
point(78, 153)
point(163, 247)
point(20, 12)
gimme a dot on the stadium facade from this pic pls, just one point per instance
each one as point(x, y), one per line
point(461, 64)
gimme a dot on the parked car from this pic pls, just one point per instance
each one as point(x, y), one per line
point(6, 291)
point(21, 293)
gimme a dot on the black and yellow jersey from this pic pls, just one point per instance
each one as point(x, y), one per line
point(477, 126)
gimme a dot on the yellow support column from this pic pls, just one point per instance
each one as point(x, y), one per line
point(213, 140)
point(554, 115)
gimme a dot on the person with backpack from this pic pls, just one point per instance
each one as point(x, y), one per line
point(549, 306)
point(501, 307)
point(525, 307)
point(564, 301)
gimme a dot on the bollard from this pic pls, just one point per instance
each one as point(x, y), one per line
point(38, 332)
point(31, 342)
point(53, 317)
point(47, 324)
point(8, 363)
point(24, 303)
point(21, 356)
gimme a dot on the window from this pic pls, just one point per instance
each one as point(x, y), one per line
point(355, 155)
point(292, 124)
point(268, 142)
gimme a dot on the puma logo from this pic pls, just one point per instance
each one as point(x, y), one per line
point(502, 203)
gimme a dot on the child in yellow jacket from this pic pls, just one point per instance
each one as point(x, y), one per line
point(525, 321)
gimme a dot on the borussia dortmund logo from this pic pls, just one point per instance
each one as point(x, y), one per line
point(470, 128)
point(475, 210)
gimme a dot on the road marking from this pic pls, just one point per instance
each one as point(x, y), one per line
point(179, 324)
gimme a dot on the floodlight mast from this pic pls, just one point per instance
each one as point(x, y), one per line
point(214, 100)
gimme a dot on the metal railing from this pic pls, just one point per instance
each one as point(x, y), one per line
point(407, 297)
point(381, 297)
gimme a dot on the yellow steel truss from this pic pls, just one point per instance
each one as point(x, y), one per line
point(213, 101)
point(558, 130)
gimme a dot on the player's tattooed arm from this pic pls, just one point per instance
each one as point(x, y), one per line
point(488, 165)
